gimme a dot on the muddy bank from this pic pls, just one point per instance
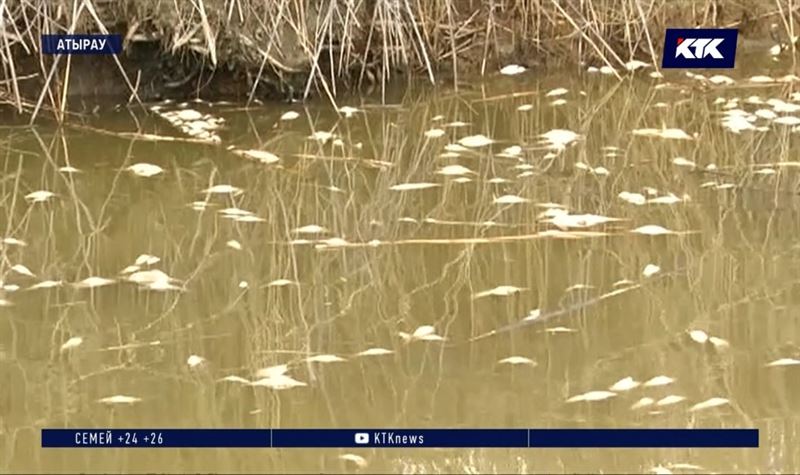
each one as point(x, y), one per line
point(270, 51)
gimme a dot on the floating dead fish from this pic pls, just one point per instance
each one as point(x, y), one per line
point(455, 148)
point(624, 384)
point(518, 360)
point(511, 151)
point(356, 460)
point(119, 399)
point(322, 136)
point(556, 330)
point(632, 198)
point(454, 170)
point(194, 361)
point(653, 230)
point(525, 107)
point(670, 400)
point(559, 91)
point(333, 242)
point(348, 111)
point(475, 141)
point(223, 190)
point(73, 342)
point(719, 343)
point(69, 169)
point(669, 199)
point(665, 133)
point(635, 65)
point(234, 379)
point(434, 133)
point(278, 382)
point(39, 196)
point(130, 269)
point(46, 284)
point(787, 120)
point(709, 403)
point(260, 155)
point(92, 282)
point(567, 221)
point(592, 396)
point(233, 212)
point(14, 242)
point(422, 333)
point(512, 70)
point(560, 138)
point(699, 336)
point(784, 362)
point(558, 102)
point(721, 80)
point(234, 244)
point(660, 470)
point(414, 186)
point(761, 79)
point(22, 270)
point(499, 291)
point(651, 270)
point(325, 359)
point(310, 229)
point(289, 115)
point(146, 170)
point(607, 70)
point(765, 114)
point(658, 381)
point(375, 352)
point(683, 162)
point(146, 277)
point(189, 115)
point(510, 200)
point(281, 283)
point(642, 403)
point(272, 371)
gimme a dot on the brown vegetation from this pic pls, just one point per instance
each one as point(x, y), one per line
point(304, 47)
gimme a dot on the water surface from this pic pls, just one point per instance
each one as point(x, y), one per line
point(719, 306)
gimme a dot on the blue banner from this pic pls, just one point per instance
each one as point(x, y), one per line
point(81, 44)
point(398, 438)
point(689, 48)
point(639, 438)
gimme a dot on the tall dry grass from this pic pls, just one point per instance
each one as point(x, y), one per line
point(328, 45)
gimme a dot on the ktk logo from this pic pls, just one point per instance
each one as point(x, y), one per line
point(699, 48)
point(702, 47)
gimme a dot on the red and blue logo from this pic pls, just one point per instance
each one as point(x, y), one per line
point(699, 48)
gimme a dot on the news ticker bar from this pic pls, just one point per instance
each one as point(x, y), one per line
point(400, 438)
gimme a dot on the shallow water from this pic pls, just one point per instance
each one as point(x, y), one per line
point(410, 258)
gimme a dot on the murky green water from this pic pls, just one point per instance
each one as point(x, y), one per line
point(729, 274)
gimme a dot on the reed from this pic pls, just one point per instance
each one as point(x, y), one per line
point(326, 46)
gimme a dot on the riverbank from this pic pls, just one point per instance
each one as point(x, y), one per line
point(243, 49)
